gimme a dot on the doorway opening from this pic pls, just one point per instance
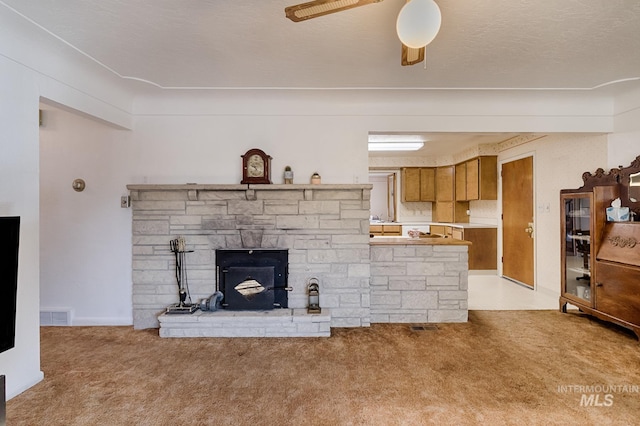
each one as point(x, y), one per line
point(383, 195)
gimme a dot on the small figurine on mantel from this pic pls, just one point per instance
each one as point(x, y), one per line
point(288, 175)
point(315, 178)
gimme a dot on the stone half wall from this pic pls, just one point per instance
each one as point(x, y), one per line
point(325, 228)
point(419, 283)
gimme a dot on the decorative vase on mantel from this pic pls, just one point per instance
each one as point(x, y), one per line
point(288, 175)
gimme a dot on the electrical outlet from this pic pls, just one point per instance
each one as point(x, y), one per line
point(125, 201)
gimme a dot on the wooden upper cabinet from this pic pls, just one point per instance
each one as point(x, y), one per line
point(473, 179)
point(477, 179)
point(461, 181)
point(445, 183)
point(427, 184)
point(487, 173)
point(418, 184)
point(411, 184)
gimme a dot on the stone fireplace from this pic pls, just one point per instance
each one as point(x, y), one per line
point(324, 229)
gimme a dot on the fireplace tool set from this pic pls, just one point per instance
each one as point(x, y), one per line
point(178, 247)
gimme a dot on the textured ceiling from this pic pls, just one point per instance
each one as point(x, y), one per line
point(249, 43)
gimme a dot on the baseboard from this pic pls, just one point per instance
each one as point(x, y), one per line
point(549, 292)
point(483, 272)
point(15, 391)
point(102, 321)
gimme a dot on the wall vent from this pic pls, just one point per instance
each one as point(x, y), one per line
point(55, 317)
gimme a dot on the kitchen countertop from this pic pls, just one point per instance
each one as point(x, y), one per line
point(465, 225)
point(454, 225)
point(382, 241)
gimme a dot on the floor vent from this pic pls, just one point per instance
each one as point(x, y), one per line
point(424, 327)
point(57, 317)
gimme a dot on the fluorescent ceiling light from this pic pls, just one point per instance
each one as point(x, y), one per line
point(379, 142)
point(395, 138)
point(395, 146)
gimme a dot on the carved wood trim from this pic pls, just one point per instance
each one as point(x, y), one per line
point(622, 242)
point(614, 177)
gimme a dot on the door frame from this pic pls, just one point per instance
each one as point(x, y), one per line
point(386, 171)
point(501, 161)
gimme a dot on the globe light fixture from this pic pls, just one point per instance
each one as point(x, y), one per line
point(418, 23)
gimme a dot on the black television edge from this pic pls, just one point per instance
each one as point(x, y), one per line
point(10, 235)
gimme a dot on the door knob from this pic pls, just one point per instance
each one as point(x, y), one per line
point(529, 230)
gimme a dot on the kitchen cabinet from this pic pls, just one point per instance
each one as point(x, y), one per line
point(392, 230)
point(477, 179)
point(483, 251)
point(600, 260)
point(450, 211)
point(445, 183)
point(427, 184)
point(418, 184)
point(445, 209)
point(457, 233)
point(461, 182)
point(442, 230)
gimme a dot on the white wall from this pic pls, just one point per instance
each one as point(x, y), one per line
point(207, 148)
point(19, 197)
point(85, 237)
point(559, 161)
point(624, 144)
point(379, 196)
point(32, 65)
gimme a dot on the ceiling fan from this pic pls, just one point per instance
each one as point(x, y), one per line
point(411, 54)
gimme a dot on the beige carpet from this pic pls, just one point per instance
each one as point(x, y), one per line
point(499, 368)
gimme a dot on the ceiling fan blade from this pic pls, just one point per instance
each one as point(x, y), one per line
point(313, 9)
point(411, 56)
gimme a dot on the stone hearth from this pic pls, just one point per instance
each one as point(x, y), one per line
point(272, 323)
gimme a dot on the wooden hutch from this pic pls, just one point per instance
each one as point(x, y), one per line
point(600, 260)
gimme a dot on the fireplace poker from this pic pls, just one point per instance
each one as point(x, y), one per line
point(178, 247)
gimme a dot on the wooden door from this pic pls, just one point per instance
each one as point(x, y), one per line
point(517, 221)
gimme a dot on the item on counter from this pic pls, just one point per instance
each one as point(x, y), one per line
point(414, 233)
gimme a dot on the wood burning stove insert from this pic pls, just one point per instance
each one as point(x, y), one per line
point(253, 279)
